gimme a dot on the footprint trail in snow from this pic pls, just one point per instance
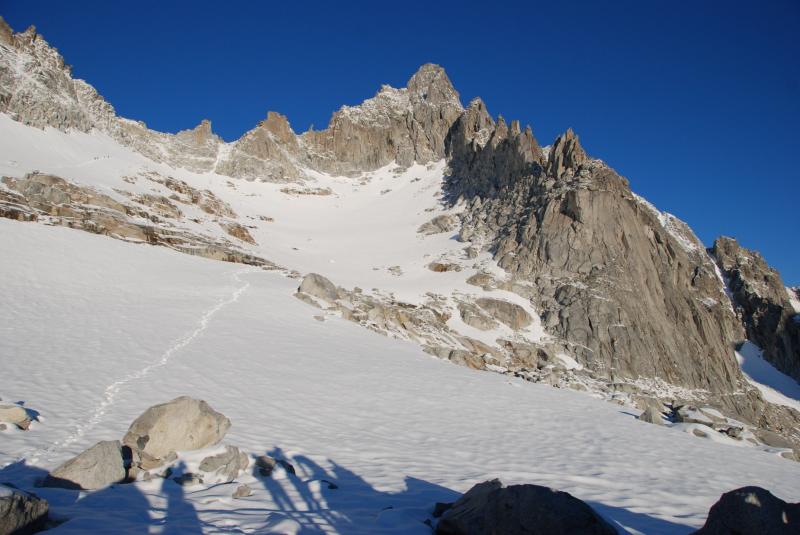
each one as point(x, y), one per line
point(111, 391)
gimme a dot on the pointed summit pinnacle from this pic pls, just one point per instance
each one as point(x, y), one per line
point(567, 153)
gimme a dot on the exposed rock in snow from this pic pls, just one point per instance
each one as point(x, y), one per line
point(20, 512)
point(441, 223)
point(751, 511)
point(227, 465)
point(652, 415)
point(11, 413)
point(511, 314)
point(489, 508)
point(181, 424)
point(99, 466)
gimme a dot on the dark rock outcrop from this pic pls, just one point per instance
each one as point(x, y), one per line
point(490, 508)
point(21, 513)
point(751, 511)
point(763, 302)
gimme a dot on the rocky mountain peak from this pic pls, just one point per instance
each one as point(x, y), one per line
point(431, 84)
point(566, 154)
point(278, 125)
point(202, 133)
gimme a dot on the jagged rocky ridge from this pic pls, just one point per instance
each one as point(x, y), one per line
point(628, 291)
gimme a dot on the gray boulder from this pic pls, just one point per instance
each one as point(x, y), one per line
point(506, 312)
point(751, 511)
point(228, 464)
point(14, 414)
point(489, 508)
point(474, 317)
point(318, 286)
point(439, 224)
point(98, 467)
point(181, 424)
point(21, 512)
point(652, 415)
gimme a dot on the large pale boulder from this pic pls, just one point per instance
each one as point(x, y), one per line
point(318, 286)
point(21, 512)
point(181, 424)
point(489, 509)
point(98, 467)
point(751, 511)
point(506, 312)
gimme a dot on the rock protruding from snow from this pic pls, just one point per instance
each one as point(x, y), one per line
point(767, 312)
point(12, 413)
point(318, 286)
point(652, 415)
point(21, 512)
point(490, 508)
point(98, 467)
point(226, 465)
point(439, 224)
point(506, 312)
point(751, 511)
point(181, 424)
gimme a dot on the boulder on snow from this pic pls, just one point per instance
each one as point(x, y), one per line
point(652, 415)
point(318, 286)
point(11, 413)
point(489, 508)
point(242, 491)
point(506, 312)
point(751, 511)
point(227, 464)
point(181, 424)
point(99, 466)
point(439, 224)
point(21, 512)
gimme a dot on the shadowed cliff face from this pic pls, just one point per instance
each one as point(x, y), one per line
point(763, 302)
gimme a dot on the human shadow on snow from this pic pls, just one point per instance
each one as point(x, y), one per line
point(315, 499)
point(336, 499)
point(118, 508)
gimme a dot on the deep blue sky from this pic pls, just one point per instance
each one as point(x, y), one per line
point(697, 103)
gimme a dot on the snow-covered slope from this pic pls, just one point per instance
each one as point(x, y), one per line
point(90, 340)
point(351, 230)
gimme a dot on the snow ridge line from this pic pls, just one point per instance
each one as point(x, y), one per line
point(113, 389)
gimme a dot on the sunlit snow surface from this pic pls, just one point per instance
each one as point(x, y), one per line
point(93, 331)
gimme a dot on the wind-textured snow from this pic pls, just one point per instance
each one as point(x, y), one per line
point(93, 331)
